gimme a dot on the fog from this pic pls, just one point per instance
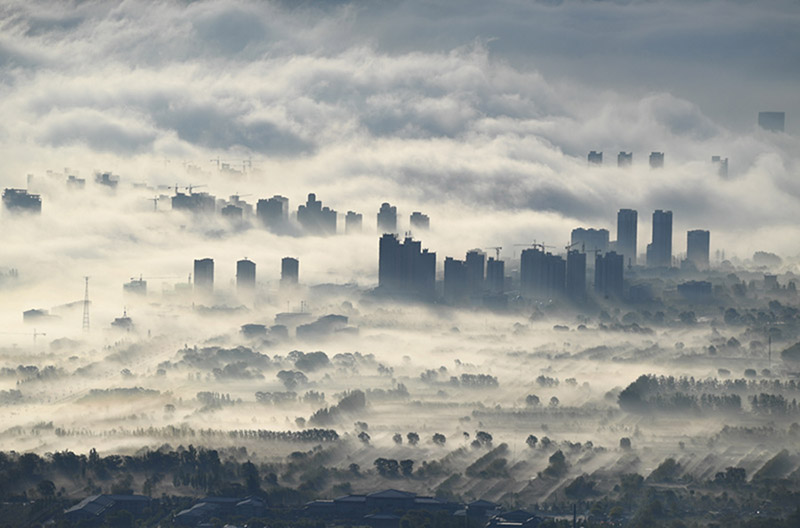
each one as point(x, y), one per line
point(481, 120)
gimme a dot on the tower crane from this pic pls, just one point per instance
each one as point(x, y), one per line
point(497, 251)
point(35, 334)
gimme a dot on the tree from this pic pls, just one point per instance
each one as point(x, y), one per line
point(625, 443)
point(386, 467)
point(413, 438)
point(531, 441)
point(252, 481)
point(483, 439)
point(398, 438)
point(46, 488)
point(532, 400)
point(554, 402)
point(558, 465)
point(364, 437)
point(439, 439)
point(407, 467)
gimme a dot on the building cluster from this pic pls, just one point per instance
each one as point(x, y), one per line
point(406, 270)
point(19, 200)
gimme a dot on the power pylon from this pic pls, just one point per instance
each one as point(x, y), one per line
point(86, 306)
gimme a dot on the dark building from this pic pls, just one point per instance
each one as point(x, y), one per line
point(608, 272)
point(455, 281)
point(697, 248)
point(595, 158)
point(18, 200)
point(387, 219)
point(352, 222)
point(290, 271)
point(475, 263)
point(588, 240)
point(93, 510)
point(576, 275)
point(232, 212)
point(656, 160)
point(273, 212)
point(245, 275)
point(627, 228)
point(420, 221)
point(541, 274)
point(204, 276)
point(695, 291)
point(495, 276)
point(107, 179)
point(73, 182)
point(772, 121)
point(721, 164)
point(659, 251)
point(405, 269)
point(624, 159)
point(316, 219)
point(202, 203)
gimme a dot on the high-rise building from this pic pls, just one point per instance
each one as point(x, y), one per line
point(595, 158)
point(245, 275)
point(204, 276)
point(352, 222)
point(316, 219)
point(420, 221)
point(772, 121)
point(405, 269)
point(656, 160)
point(697, 248)
point(199, 203)
point(18, 200)
point(232, 213)
point(659, 251)
point(588, 240)
point(541, 274)
point(387, 219)
point(290, 271)
point(624, 159)
point(475, 263)
point(721, 164)
point(608, 273)
point(627, 228)
point(455, 281)
point(495, 276)
point(576, 275)
point(273, 212)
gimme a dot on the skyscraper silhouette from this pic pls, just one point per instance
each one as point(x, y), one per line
point(659, 251)
point(697, 248)
point(627, 228)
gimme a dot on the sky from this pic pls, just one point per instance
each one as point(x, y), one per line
point(480, 114)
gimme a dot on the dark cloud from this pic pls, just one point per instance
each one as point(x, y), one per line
point(98, 133)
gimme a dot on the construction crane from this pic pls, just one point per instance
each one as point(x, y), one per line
point(217, 161)
point(155, 202)
point(35, 334)
point(497, 251)
point(190, 187)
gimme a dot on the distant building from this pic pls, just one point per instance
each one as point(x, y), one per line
point(608, 273)
point(475, 263)
point(624, 159)
point(589, 240)
point(290, 271)
point(455, 281)
point(772, 121)
point(73, 182)
point(695, 291)
point(595, 158)
point(656, 160)
point(316, 219)
point(204, 276)
point(94, 509)
point(273, 212)
point(387, 219)
point(136, 287)
point(352, 222)
point(405, 269)
point(232, 212)
point(107, 179)
point(627, 229)
point(495, 276)
point(721, 164)
point(245, 275)
point(123, 323)
point(659, 251)
point(697, 248)
point(420, 221)
point(199, 203)
point(541, 274)
point(576, 276)
point(18, 200)
point(236, 201)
